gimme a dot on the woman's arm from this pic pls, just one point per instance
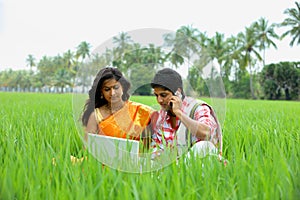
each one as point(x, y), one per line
point(92, 125)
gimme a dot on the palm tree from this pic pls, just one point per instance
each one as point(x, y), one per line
point(71, 65)
point(122, 42)
point(249, 42)
point(134, 56)
point(185, 43)
point(154, 56)
point(30, 61)
point(83, 50)
point(265, 34)
point(216, 49)
point(108, 56)
point(123, 45)
point(24, 80)
point(62, 79)
point(233, 57)
point(46, 70)
point(204, 55)
point(69, 59)
point(293, 22)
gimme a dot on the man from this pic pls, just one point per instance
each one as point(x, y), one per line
point(182, 121)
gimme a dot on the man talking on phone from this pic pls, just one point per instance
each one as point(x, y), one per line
point(183, 123)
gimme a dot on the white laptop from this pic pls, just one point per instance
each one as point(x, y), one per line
point(113, 151)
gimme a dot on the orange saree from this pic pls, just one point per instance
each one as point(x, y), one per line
point(128, 122)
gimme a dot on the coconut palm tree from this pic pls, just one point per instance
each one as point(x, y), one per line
point(233, 57)
point(292, 22)
point(204, 54)
point(62, 79)
point(69, 59)
point(217, 49)
point(122, 42)
point(153, 56)
point(30, 61)
point(185, 43)
point(265, 34)
point(134, 56)
point(83, 50)
point(249, 41)
point(108, 56)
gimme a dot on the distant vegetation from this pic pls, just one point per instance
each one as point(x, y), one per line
point(241, 59)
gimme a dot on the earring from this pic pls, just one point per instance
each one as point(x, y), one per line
point(101, 97)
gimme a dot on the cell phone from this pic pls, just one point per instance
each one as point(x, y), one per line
point(177, 93)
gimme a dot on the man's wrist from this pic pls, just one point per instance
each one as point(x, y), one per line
point(177, 112)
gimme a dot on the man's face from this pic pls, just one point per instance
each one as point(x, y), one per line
point(163, 97)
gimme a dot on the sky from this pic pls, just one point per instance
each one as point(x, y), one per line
point(51, 27)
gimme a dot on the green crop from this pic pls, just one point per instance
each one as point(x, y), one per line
point(39, 134)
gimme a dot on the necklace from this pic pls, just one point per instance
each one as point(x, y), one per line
point(113, 109)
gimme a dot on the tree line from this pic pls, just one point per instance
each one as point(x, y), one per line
point(240, 59)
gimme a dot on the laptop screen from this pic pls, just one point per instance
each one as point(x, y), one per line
point(113, 151)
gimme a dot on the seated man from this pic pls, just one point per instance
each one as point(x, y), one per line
point(182, 121)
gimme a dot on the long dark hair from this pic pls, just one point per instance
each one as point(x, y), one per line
point(95, 100)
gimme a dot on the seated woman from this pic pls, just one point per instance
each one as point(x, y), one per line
point(108, 111)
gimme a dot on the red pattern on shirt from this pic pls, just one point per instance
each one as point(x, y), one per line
point(164, 134)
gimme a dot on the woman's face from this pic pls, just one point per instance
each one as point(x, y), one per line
point(163, 97)
point(112, 91)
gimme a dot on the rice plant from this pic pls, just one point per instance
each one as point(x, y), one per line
point(39, 134)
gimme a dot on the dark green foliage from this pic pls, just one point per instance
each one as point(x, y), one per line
point(241, 88)
point(140, 78)
point(281, 80)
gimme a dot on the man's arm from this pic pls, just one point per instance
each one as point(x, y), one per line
point(201, 126)
point(197, 128)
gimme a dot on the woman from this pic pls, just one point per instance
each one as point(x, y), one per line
point(108, 110)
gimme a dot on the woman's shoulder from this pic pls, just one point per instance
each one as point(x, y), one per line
point(98, 115)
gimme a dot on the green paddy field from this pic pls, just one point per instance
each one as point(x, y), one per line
point(261, 141)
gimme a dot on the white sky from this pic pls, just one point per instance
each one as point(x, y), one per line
point(51, 27)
